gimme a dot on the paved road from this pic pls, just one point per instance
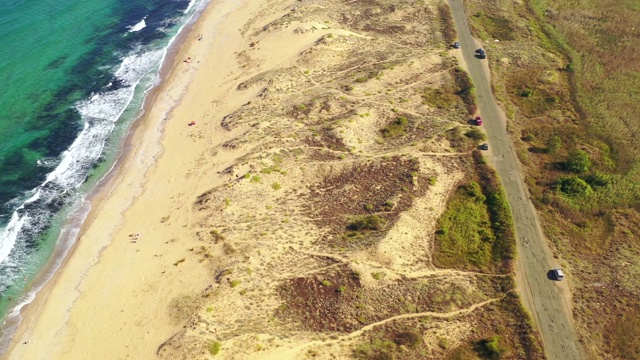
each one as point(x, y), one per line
point(548, 301)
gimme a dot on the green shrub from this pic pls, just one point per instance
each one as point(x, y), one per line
point(476, 134)
point(407, 338)
point(395, 128)
point(529, 137)
point(490, 348)
point(475, 191)
point(578, 162)
point(598, 179)
point(573, 186)
point(215, 347)
point(370, 222)
point(526, 93)
point(554, 144)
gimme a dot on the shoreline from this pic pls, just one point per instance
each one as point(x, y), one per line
point(66, 244)
point(62, 252)
point(28, 313)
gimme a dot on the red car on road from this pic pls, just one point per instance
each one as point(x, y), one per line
point(478, 120)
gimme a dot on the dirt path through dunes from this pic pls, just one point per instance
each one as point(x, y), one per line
point(548, 301)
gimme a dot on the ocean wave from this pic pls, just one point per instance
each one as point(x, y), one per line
point(191, 3)
point(99, 114)
point(47, 162)
point(139, 26)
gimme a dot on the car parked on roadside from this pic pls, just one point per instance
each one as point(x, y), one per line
point(481, 54)
point(478, 120)
point(484, 146)
point(557, 274)
point(456, 45)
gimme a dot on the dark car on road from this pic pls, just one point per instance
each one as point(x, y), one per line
point(456, 45)
point(484, 146)
point(481, 54)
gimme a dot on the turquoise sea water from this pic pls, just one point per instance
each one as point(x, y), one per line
point(73, 75)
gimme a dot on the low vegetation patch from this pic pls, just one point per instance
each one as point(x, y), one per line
point(501, 331)
point(476, 135)
point(396, 128)
point(466, 91)
point(369, 222)
point(624, 336)
point(493, 27)
point(448, 96)
point(476, 230)
point(449, 32)
point(215, 347)
point(359, 218)
point(504, 247)
point(464, 237)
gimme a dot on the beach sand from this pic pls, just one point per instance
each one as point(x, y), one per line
point(112, 297)
point(227, 237)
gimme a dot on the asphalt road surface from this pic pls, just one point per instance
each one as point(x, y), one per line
point(548, 301)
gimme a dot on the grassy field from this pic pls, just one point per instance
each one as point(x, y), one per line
point(566, 74)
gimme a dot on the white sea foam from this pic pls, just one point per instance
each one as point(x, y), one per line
point(99, 114)
point(191, 3)
point(47, 162)
point(139, 26)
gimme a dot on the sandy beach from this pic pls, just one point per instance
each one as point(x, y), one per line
point(124, 284)
point(222, 234)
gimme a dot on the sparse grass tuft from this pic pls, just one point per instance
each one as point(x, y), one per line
point(216, 236)
point(378, 275)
